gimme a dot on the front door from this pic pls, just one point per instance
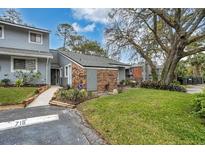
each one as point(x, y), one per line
point(55, 77)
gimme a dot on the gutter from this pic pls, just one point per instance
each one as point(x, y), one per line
point(26, 55)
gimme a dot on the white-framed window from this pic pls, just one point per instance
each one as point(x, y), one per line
point(61, 72)
point(66, 71)
point(1, 32)
point(35, 37)
point(23, 64)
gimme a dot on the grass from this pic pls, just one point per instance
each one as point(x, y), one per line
point(15, 95)
point(145, 116)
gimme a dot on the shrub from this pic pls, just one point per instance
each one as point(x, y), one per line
point(73, 95)
point(19, 83)
point(28, 77)
point(175, 82)
point(159, 85)
point(199, 105)
point(5, 82)
point(83, 93)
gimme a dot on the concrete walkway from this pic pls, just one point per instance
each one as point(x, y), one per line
point(44, 98)
point(195, 88)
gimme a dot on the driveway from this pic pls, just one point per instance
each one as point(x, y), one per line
point(195, 88)
point(40, 128)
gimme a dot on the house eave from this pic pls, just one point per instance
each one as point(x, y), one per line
point(25, 55)
point(25, 27)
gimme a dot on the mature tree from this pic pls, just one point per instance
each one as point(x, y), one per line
point(198, 63)
point(66, 32)
point(182, 69)
point(77, 43)
point(174, 33)
point(91, 47)
point(12, 15)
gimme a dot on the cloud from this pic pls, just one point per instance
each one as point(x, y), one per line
point(93, 15)
point(88, 28)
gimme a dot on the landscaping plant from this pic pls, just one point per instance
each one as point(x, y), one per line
point(28, 78)
point(162, 86)
point(199, 105)
point(19, 83)
point(5, 82)
point(72, 95)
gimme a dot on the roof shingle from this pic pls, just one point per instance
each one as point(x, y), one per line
point(92, 61)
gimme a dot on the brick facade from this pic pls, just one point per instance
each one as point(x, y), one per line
point(78, 75)
point(137, 73)
point(106, 77)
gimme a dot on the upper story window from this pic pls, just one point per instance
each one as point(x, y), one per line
point(35, 37)
point(1, 32)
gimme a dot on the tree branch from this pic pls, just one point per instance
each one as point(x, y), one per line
point(193, 51)
point(154, 31)
point(164, 17)
point(197, 22)
point(196, 38)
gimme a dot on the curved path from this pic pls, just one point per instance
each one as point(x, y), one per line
point(195, 88)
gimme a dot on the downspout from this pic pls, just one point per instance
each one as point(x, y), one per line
point(47, 70)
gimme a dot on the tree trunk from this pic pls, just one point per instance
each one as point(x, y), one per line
point(168, 72)
point(154, 73)
point(153, 68)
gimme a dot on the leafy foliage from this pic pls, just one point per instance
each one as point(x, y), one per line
point(166, 34)
point(19, 83)
point(77, 43)
point(73, 95)
point(27, 77)
point(162, 86)
point(5, 82)
point(199, 105)
point(13, 16)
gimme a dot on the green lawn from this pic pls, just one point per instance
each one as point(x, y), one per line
point(144, 116)
point(15, 95)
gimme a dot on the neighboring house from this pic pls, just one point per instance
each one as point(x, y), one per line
point(141, 72)
point(25, 48)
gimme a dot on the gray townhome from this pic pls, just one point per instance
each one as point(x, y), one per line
point(25, 48)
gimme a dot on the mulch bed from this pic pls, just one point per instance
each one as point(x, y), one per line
point(67, 103)
point(26, 102)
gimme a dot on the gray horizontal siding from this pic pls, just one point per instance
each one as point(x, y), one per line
point(15, 37)
point(63, 62)
point(5, 69)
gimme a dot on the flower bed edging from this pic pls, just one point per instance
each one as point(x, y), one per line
point(62, 104)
